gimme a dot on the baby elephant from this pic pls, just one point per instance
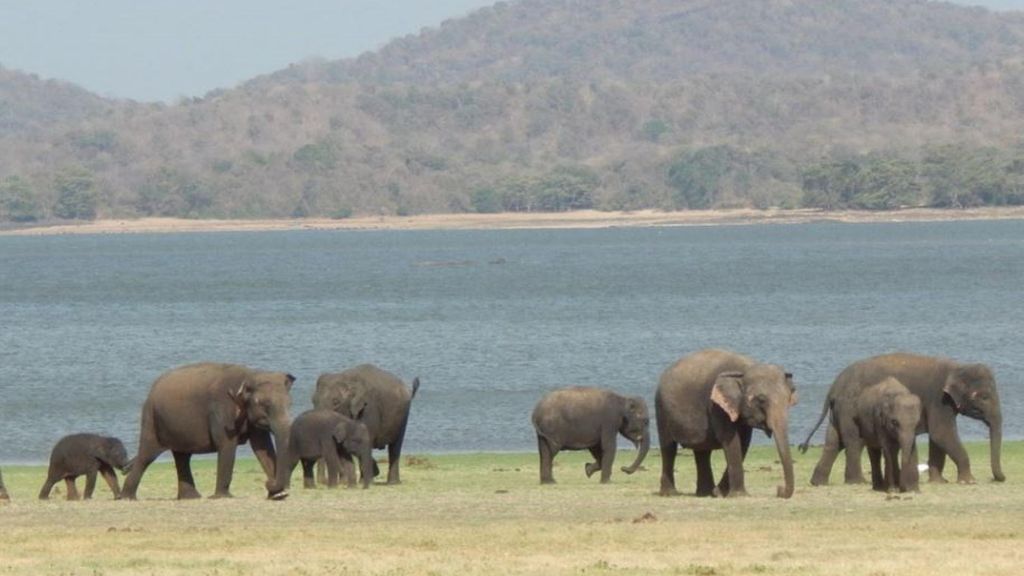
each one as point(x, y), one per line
point(580, 418)
point(337, 439)
point(887, 417)
point(79, 454)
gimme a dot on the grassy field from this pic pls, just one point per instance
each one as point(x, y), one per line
point(487, 514)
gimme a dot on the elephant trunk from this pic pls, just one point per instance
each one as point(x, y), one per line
point(366, 464)
point(644, 446)
point(781, 433)
point(277, 489)
point(908, 480)
point(995, 434)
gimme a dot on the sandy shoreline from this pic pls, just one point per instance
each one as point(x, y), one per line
point(564, 220)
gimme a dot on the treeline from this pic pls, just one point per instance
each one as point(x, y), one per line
point(712, 177)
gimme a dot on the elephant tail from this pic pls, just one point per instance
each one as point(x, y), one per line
point(415, 387)
point(824, 412)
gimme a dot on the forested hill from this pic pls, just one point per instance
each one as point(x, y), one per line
point(564, 104)
point(29, 104)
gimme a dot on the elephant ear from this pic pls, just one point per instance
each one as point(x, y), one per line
point(340, 433)
point(956, 389)
point(727, 393)
point(358, 404)
point(793, 397)
point(241, 395)
point(635, 407)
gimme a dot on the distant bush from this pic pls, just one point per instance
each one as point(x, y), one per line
point(76, 195)
point(17, 202)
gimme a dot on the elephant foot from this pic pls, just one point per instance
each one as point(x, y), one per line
point(590, 468)
point(819, 480)
point(860, 480)
point(999, 477)
point(967, 480)
point(277, 496)
point(937, 479)
point(668, 491)
point(737, 493)
point(394, 482)
point(222, 495)
point(547, 481)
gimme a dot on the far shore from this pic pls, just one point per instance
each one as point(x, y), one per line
point(582, 219)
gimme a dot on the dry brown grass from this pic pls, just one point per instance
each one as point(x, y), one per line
point(487, 514)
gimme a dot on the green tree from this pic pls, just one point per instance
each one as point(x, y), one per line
point(701, 177)
point(485, 200)
point(566, 188)
point(76, 195)
point(17, 203)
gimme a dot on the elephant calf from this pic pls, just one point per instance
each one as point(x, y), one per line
point(582, 418)
point(87, 454)
point(336, 439)
point(887, 416)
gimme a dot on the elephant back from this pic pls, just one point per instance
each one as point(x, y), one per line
point(367, 393)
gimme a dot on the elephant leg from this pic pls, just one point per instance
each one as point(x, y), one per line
point(69, 485)
point(547, 457)
point(186, 484)
point(321, 472)
point(745, 436)
point(225, 469)
point(594, 466)
point(394, 460)
point(668, 472)
point(44, 493)
point(854, 445)
point(878, 480)
point(732, 445)
point(705, 477)
point(110, 477)
point(829, 453)
point(308, 480)
point(608, 447)
point(944, 439)
point(148, 452)
point(936, 463)
point(90, 484)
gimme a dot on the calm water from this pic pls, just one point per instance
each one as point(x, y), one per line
point(490, 320)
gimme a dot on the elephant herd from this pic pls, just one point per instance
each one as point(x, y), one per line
point(714, 399)
point(213, 408)
point(709, 400)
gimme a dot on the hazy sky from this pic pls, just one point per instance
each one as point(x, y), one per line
point(165, 49)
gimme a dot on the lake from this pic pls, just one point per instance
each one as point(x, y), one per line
point(490, 320)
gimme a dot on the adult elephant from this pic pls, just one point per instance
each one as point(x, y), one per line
point(205, 408)
point(378, 399)
point(583, 418)
point(714, 399)
point(946, 389)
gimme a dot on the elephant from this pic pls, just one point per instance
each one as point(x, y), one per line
point(325, 434)
point(946, 388)
point(378, 399)
point(583, 418)
point(210, 407)
point(4, 497)
point(714, 399)
point(886, 415)
point(78, 454)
